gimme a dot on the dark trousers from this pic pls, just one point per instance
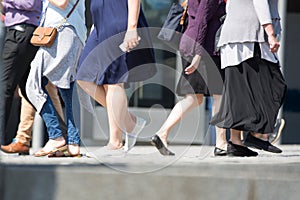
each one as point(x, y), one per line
point(17, 54)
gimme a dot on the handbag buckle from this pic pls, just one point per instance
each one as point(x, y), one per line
point(41, 36)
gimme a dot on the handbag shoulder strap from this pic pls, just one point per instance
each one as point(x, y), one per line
point(69, 14)
point(63, 21)
point(184, 14)
point(184, 4)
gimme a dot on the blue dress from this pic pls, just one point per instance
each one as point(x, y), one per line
point(102, 61)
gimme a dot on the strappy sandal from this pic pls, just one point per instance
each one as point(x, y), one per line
point(42, 152)
point(63, 153)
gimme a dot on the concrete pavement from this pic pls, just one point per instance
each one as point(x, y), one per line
point(194, 173)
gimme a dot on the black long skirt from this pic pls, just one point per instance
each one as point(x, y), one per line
point(253, 94)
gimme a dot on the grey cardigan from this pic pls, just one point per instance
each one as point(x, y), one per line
point(244, 21)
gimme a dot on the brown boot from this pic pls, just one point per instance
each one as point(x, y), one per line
point(16, 147)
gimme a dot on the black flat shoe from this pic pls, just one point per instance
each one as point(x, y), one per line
point(238, 150)
point(156, 141)
point(257, 143)
point(220, 152)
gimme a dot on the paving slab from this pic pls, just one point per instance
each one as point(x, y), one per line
point(194, 173)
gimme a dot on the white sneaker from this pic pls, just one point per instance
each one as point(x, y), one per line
point(130, 138)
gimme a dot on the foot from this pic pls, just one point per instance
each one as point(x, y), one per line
point(220, 152)
point(65, 152)
point(130, 138)
point(221, 146)
point(163, 137)
point(51, 146)
point(252, 141)
point(16, 147)
point(106, 151)
point(274, 137)
point(163, 150)
point(74, 149)
point(238, 150)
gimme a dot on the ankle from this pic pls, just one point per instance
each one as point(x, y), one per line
point(59, 139)
point(222, 145)
point(164, 138)
point(114, 145)
point(237, 141)
point(264, 137)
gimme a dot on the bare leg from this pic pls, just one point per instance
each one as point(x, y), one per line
point(182, 107)
point(261, 136)
point(221, 141)
point(97, 92)
point(113, 98)
point(117, 109)
point(235, 137)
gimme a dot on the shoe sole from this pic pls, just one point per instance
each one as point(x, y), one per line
point(239, 155)
point(23, 153)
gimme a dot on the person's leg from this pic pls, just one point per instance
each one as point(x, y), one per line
point(21, 144)
point(99, 93)
point(16, 57)
point(53, 93)
point(24, 133)
point(159, 140)
point(221, 141)
point(49, 116)
point(235, 146)
point(235, 137)
point(119, 118)
point(181, 108)
point(73, 132)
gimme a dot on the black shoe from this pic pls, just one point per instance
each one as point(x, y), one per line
point(220, 152)
point(252, 141)
point(238, 150)
point(156, 141)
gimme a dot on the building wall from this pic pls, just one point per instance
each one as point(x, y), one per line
point(291, 109)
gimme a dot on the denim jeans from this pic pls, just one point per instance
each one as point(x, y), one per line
point(50, 118)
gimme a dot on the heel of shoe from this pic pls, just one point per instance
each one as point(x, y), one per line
point(163, 150)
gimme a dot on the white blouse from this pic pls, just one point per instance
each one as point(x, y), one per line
point(235, 53)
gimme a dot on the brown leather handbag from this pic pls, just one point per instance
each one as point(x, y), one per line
point(45, 36)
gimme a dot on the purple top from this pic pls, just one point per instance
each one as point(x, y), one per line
point(22, 11)
point(204, 21)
